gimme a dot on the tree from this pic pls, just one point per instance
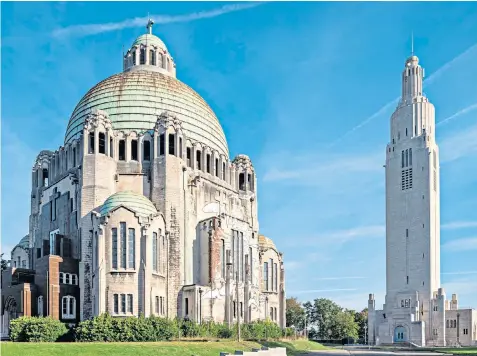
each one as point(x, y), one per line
point(4, 265)
point(361, 318)
point(295, 314)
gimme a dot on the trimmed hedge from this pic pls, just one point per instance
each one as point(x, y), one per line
point(109, 329)
point(36, 329)
point(105, 328)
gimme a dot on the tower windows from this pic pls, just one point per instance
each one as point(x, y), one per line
point(147, 150)
point(223, 170)
point(152, 57)
point(131, 248)
point(45, 177)
point(134, 152)
point(102, 143)
point(111, 149)
point(180, 147)
point(142, 56)
point(122, 150)
point(216, 167)
point(123, 244)
point(406, 179)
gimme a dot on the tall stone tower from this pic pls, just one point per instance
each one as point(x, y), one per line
point(412, 206)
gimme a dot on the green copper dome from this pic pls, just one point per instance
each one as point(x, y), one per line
point(24, 242)
point(148, 39)
point(133, 201)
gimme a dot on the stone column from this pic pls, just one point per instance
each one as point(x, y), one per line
point(96, 141)
point(107, 145)
point(140, 140)
point(127, 147)
point(146, 54)
point(246, 290)
point(193, 162)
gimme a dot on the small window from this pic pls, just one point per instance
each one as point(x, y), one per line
point(74, 279)
point(116, 303)
point(186, 306)
point(188, 153)
point(216, 167)
point(142, 56)
point(74, 156)
point(235, 309)
point(172, 144)
point(68, 307)
point(134, 57)
point(123, 303)
point(62, 278)
point(40, 305)
point(91, 143)
point(161, 144)
point(180, 147)
point(111, 147)
point(198, 158)
point(147, 150)
point(114, 233)
point(223, 170)
point(410, 156)
point(102, 143)
point(152, 57)
point(241, 181)
point(208, 163)
point(130, 303)
point(122, 150)
point(134, 153)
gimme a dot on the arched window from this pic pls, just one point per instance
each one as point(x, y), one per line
point(142, 56)
point(147, 150)
point(241, 181)
point(154, 251)
point(102, 143)
point(40, 305)
point(122, 150)
point(172, 144)
point(91, 143)
point(152, 57)
point(159, 60)
point(68, 305)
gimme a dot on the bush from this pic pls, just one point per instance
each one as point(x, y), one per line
point(36, 329)
point(105, 328)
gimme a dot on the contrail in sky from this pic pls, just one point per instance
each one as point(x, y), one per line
point(92, 29)
point(458, 113)
point(428, 81)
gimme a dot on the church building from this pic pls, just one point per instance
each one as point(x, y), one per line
point(143, 212)
point(416, 310)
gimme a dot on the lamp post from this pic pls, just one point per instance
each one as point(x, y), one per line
point(366, 342)
point(200, 305)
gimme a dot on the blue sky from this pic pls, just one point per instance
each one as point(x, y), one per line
point(305, 89)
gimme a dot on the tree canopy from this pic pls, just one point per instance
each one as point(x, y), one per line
point(326, 320)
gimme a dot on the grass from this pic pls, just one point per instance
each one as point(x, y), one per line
point(458, 351)
point(173, 348)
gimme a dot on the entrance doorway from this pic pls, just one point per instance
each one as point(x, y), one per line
point(400, 334)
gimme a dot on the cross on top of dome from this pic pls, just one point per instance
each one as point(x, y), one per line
point(150, 22)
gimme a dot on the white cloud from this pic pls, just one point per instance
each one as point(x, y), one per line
point(338, 278)
point(310, 291)
point(339, 237)
point(466, 244)
point(459, 225)
point(459, 273)
point(459, 144)
point(91, 29)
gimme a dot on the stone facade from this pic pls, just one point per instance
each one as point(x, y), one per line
point(145, 202)
point(416, 310)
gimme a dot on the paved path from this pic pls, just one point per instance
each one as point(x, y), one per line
point(354, 352)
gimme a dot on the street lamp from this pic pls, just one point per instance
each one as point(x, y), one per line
point(200, 305)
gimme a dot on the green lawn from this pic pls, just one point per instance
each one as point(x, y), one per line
point(459, 351)
point(173, 348)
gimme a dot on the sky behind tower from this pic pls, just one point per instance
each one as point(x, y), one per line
point(305, 89)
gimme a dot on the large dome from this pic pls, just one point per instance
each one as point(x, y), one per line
point(134, 99)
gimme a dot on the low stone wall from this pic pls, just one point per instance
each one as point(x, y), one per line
point(264, 351)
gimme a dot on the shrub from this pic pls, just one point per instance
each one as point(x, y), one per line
point(36, 329)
